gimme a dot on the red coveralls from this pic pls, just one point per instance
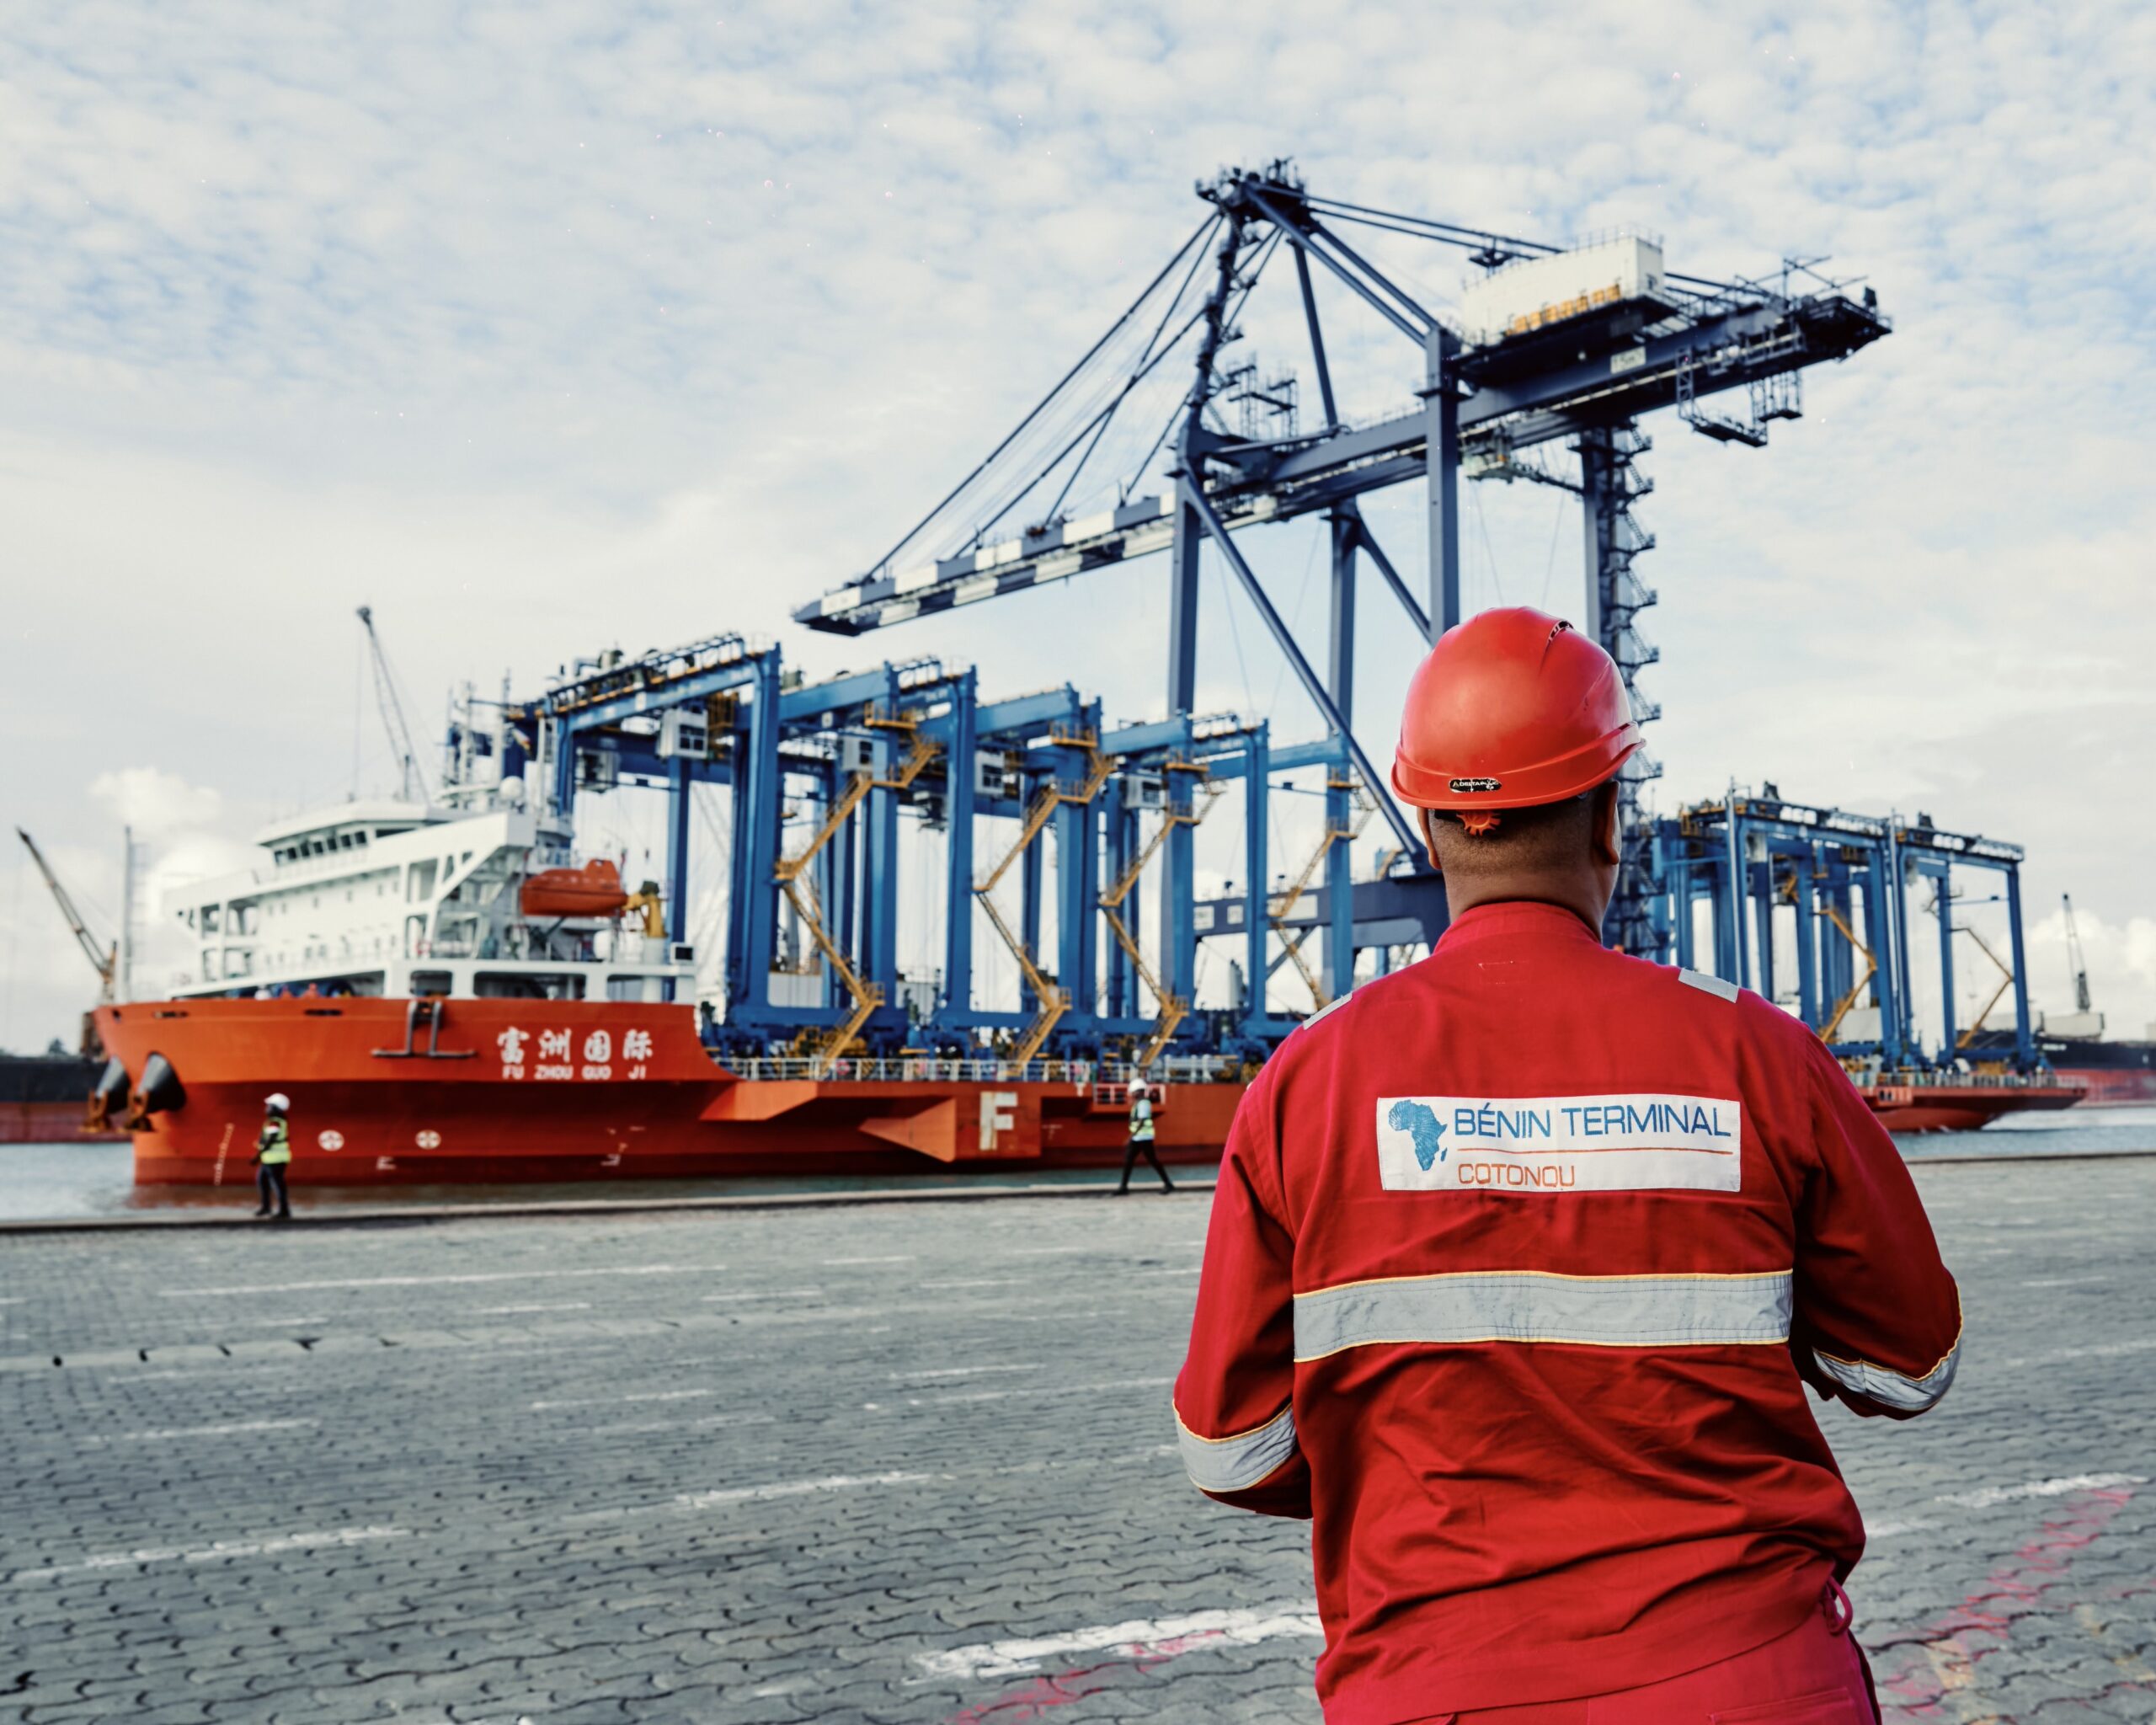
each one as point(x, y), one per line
point(1519, 1262)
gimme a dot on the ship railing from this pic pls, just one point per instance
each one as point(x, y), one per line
point(929, 1069)
point(1945, 1078)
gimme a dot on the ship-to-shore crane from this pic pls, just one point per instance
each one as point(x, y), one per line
point(2074, 961)
point(104, 959)
point(1577, 367)
point(412, 781)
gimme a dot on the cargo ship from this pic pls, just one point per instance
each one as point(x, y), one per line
point(1945, 1100)
point(2104, 1073)
point(447, 996)
point(42, 1098)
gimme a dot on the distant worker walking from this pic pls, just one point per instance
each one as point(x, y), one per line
point(272, 1157)
point(1141, 1140)
point(1522, 1258)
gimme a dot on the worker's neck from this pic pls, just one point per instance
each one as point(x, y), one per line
point(1586, 898)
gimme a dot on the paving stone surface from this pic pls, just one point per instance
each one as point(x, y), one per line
point(886, 1465)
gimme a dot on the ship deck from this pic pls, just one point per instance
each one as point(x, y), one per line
point(907, 1462)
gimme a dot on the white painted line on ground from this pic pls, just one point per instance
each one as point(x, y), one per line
point(956, 1371)
point(958, 1397)
point(901, 1257)
point(444, 1281)
point(1989, 1495)
point(2101, 1350)
point(2062, 1281)
point(204, 1431)
point(720, 1499)
point(223, 1551)
point(609, 1401)
point(771, 1294)
point(794, 1488)
point(988, 1282)
point(708, 1423)
point(278, 1323)
point(558, 1306)
point(1140, 1638)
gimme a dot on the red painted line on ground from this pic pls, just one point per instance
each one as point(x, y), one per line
point(1036, 1699)
point(1949, 1651)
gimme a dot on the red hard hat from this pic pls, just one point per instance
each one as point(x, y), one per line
point(1511, 708)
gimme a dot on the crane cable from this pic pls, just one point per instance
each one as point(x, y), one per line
point(1197, 235)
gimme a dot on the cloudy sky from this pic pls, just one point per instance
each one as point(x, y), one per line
point(545, 327)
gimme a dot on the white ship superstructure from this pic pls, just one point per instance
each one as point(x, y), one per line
point(397, 898)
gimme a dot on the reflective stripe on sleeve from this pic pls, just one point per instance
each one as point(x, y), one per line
point(1237, 1463)
point(1889, 1388)
point(1535, 1305)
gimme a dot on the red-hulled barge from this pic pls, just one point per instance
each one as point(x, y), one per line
point(427, 1091)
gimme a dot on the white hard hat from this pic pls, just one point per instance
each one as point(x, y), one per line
point(277, 1100)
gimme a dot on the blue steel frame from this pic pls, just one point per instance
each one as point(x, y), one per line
point(1750, 857)
point(780, 745)
point(1587, 382)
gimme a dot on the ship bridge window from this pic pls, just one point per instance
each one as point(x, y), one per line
point(431, 984)
point(208, 925)
point(528, 986)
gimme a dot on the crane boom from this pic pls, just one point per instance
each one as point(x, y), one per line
point(2073, 958)
point(412, 783)
point(106, 962)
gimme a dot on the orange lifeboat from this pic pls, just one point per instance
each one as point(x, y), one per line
point(594, 890)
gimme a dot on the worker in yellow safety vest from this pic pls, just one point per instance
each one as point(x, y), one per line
point(273, 1155)
point(1141, 1140)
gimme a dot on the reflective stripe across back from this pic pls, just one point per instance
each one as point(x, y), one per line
point(1700, 1310)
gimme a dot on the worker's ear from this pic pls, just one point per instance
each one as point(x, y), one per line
point(1427, 822)
point(1607, 838)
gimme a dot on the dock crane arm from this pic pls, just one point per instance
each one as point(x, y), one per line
point(413, 777)
point(105, 961)
point(2073, 958)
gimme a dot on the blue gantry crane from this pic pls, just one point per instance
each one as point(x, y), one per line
point(1830, 887)
point(1053, 822)
point(820, 775)
point(1555, 346)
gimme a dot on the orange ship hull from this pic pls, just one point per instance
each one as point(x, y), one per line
point(1961, 1107)
point(500, 1090)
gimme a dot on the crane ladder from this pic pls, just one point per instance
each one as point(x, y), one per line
point(1173, 1008)
point(1284, 904)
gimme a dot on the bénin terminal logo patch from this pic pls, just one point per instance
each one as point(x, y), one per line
point(1425, 1128)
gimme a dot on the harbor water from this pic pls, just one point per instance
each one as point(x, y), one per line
point(56, 1182)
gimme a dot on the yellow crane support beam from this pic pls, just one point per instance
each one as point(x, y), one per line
point(856, 787)
point(866, 997)
point(2005, 982)
point(1848, 1001)
point(1172, 1008)
point(1046, 801)
point(1283, 906)
point(918, 757)
point(1054, 1001)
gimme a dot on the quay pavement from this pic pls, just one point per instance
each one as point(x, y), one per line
point(900, 1463)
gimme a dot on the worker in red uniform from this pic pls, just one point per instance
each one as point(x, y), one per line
point(1521, 1258)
